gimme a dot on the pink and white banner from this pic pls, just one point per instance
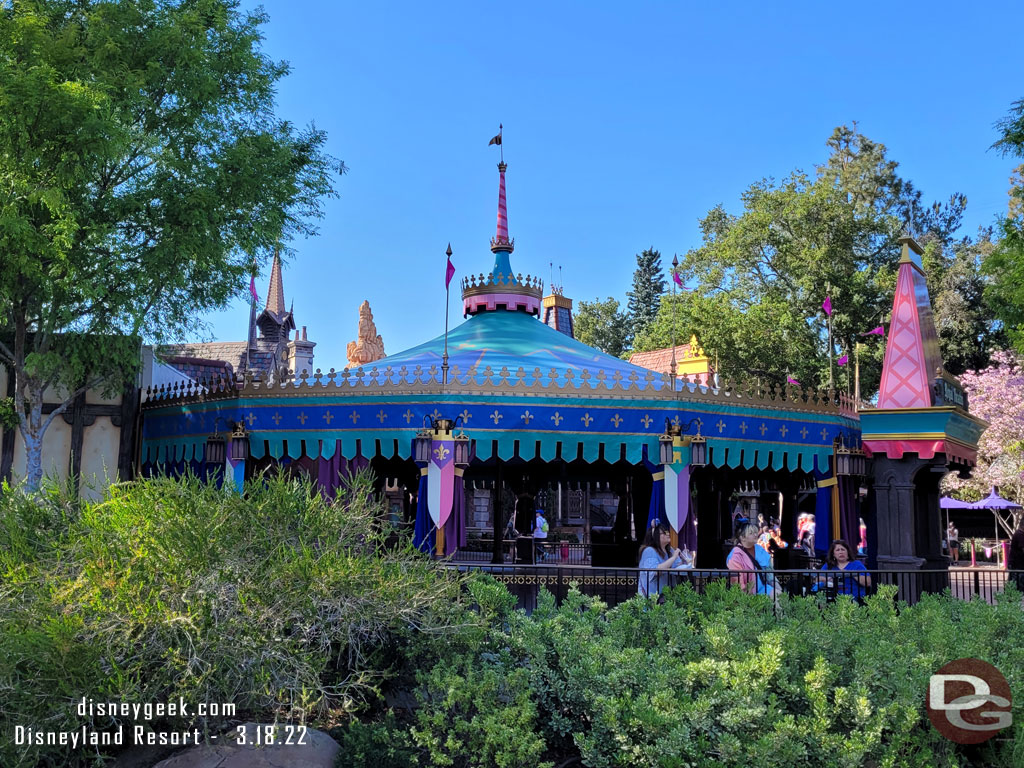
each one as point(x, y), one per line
point(441, 480)
point(677, 495)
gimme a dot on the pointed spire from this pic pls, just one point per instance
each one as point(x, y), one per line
point(275, 293)
point(501, 240)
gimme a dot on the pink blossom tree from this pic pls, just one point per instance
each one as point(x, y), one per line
point(995, 394)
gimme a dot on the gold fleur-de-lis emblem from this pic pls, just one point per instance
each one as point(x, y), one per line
point(646, 420)
point(804, 433)
point(496, 416)
point(251, 418)
point(441, 452)
point(435, 415)
point(616, 420)
point(824, 433)
point(328, 417)
point(407, 415)
point(381, 415)
point(277, 418)
point(721, 426)
point(465, 415)
point(354, 416)
point(302, 418)
point(783, 429)
point(677, 422)
point(527, 417)
point(586, 419)
point(763, 428)
point(557, 418)
point(743, 427)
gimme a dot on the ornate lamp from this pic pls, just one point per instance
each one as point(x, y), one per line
point(844, 458)
point(215, 449)
point(422, 445)
point(698, 450)
point(461, 449)
point(239, 443)
point(698, 443)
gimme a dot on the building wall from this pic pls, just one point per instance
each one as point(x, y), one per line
point(103, 448)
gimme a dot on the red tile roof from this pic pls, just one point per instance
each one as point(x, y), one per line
point(660, 360)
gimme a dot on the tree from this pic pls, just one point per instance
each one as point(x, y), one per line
point(1005, 265)
point(601, 325)
point(143, 172)
point(648, 286)
point(996, 394)
point(833, 233)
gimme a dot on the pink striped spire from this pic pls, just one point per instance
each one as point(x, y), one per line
point(501, 240)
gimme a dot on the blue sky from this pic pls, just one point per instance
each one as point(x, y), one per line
point(624, 123)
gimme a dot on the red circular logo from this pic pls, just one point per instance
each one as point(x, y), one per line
point(969, 701)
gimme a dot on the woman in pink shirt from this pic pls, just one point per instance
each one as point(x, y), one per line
point(742, 559)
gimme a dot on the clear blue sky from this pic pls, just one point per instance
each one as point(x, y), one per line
point(624, 124)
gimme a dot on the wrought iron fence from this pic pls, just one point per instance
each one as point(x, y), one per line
point(526, 550)
point(616, 585)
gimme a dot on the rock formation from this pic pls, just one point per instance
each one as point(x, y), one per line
point(368, 346)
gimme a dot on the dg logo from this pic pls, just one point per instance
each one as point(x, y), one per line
point(969, 701)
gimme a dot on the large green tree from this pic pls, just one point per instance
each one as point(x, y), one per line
point(142, 173)
point(602, 325)
point(832, 233)
point(648, 285)
point(1005, 264)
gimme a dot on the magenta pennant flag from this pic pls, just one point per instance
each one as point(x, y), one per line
point(449, 273)
point(678, 279)
point(879, 331)
point(252, 289)
point(791, 380)
point(827, 305)
point(843, 360)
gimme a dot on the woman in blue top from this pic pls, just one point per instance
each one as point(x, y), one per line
point(656, 554)
point(839, 559)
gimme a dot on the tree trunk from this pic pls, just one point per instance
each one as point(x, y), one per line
point(32, 430)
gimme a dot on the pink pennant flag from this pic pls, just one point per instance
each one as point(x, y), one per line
point(791, 380)
point(879, 331)
point(827, 305)
point(843, 360)
point(252, 289)
point(449, 273)
point(678, 279)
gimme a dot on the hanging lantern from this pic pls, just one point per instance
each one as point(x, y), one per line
point(844, 460)
point(422, 446)
point(239, 443)
point(665, 449)
point(214, 449)
point(698, 451)
point(461, 450)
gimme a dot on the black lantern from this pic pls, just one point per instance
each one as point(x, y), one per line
point(698, 450)
point(461, 450)
point(422, 446)
point(844, 459)
point(239, 443)
point(215, 449)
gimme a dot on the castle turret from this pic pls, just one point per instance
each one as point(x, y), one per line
point(501, 288)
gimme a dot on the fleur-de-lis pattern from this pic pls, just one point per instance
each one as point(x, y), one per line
point(497, 416)
point(441, 452)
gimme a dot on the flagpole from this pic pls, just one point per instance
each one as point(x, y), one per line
point(447, 293)
point(675, 366)
point(828, 291)
point(856, 375)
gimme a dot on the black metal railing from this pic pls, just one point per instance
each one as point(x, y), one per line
point(525, 550)
point(616, 585)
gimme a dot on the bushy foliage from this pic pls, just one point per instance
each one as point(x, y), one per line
point(282, 603)
point(996, 394)
point(715, 680)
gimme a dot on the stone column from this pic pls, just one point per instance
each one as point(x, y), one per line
point(894, 513)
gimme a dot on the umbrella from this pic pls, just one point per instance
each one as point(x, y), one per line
point(994, 501)
point(948, 502)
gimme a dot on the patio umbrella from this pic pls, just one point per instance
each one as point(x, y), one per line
point(994, 501)
point(948, 502)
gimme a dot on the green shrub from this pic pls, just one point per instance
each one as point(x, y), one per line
point(281, 603)
point(717, 680)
